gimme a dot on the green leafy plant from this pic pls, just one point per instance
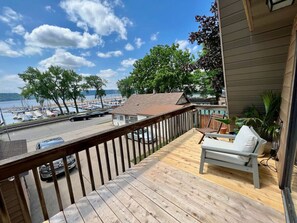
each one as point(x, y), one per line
point(263, 122)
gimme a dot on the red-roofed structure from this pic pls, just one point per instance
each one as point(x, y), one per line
point(140, 106)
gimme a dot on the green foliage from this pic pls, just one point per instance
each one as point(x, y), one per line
point(203, 81)
point(125, 86)
point(54, 84)
point(264, 122)
point(208, 35)
point(161, 70)
point(96, 82)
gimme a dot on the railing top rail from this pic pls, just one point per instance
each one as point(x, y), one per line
point(209, 107)
point(18, 164)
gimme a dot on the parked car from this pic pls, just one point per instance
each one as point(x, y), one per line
point(79, 117)
point(45, 170)
point(147, 137)
point(96, 114)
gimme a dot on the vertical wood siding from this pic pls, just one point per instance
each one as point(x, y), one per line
point(253, 61)
point(287, 100)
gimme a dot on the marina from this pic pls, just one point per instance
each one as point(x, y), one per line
point(22, 111)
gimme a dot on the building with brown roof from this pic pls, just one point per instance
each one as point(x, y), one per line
point(140, 106)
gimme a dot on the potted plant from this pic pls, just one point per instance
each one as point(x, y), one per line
point(264, 122)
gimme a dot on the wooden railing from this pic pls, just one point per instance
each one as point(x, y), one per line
point(99, 157)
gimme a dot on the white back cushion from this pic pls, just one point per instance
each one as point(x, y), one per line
point(245, 140)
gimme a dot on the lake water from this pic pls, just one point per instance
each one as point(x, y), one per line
point(17, 105)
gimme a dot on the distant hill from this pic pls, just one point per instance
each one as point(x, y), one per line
point(9, 96)
point(16, 96)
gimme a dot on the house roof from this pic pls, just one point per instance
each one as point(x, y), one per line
point(152, 104)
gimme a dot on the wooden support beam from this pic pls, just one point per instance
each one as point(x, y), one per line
point(248, 14)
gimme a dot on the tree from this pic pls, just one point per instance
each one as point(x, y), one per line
point(126, 87)
point(76, 87)
point(208, 35)
point(97, 83)
point(59, 77)
point(54, 84)
point(40, 85)
point(162, 70)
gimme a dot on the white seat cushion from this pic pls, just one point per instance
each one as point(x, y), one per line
point(245, 140)
point(230, 158)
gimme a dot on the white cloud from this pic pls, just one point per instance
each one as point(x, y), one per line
point(154, 36)
point(108, 73)
point(183, 44)
point(138, 42)
point(86, 54)
point(47, 36)
point(9, 16)
point(10, 41)
point(109, 54)
point(49, 8)
point(66, 60)
point(29, 50)
point(19, 29)
point(129, 47)
point(10, 83)
point(5, 50)
point(96, 15)
point(128, 62)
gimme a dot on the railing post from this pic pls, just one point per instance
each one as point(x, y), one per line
point(4, 216)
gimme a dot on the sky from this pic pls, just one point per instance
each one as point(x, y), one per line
point(92, 37)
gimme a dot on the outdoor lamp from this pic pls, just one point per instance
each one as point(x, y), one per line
point(277, 4)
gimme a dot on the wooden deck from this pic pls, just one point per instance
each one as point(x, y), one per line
point(166, 187)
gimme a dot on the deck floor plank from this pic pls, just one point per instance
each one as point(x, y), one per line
point(164, 203)
point(121, 212)
point(102, 210)
point(136, 209)
point(87, 211)
point(167, 187)
point(199, 189)
point(58, 218)
point(72, 214)
point(153, 208)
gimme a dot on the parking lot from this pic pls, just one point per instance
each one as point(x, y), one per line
point(68, 131)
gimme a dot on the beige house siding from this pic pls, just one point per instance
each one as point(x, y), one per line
point(254, 61)
point(287, 99)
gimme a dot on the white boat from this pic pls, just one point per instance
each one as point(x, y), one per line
point(37, 114)
point(27, 117)
point(49, 113)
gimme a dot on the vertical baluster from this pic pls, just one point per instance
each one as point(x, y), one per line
point(166, 130)
point(134, 149)
point(4, 216)
point(80, 174)
point(163, 132)
point(153, 137)
point(56, 186)
point(69, 185)
point(21, 196)
point(139, 148)
point(160, 135)
point(149, 143)
point(171, 129)
point(157, 139)
point(90, 168)
point(122, 153)
point(99, 164)
point(128, 151)
point(199, 119)
point(176, 126)
point(143, 142)
point(115, 157)
point(40, 194)
point(107, 161)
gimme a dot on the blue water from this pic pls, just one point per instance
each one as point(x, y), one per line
point(18, 105)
